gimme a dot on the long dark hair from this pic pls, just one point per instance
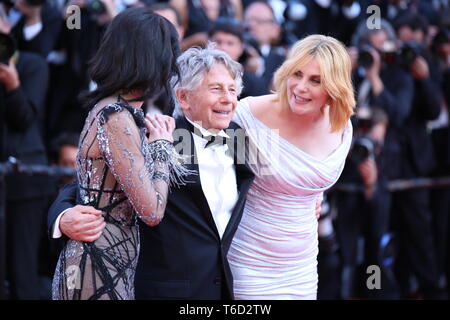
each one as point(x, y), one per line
point(137, 52)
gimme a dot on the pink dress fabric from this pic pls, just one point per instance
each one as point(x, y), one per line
point(273, 254)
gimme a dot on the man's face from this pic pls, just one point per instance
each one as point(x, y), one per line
point(406, 34)
point(377, 39)
point(261, 23)
point(68, 156)
point(213, 103)
point(21, 5)
point(229, 43)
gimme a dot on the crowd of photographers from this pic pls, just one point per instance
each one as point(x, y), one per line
point(400, 51)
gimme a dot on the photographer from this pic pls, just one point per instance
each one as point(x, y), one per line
point(338, 18)
point(413, 217)
point(364, 215)
point(100, 11)
point(381, 82)
point(262, 25)
point(440, 197)
point(39, 27)
point(24, 77)
point(229, 36)
point(70, 78)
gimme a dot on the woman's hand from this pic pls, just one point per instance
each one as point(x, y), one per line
point(159, 127)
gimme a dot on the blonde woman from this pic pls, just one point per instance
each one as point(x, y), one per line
point(302, 134)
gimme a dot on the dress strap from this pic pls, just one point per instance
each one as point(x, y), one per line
point(138, 114)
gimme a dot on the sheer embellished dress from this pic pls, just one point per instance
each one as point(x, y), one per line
point(125, 177)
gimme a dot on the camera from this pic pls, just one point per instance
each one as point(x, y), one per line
point(409, 52)
point(388, 54)
point(365, 58)
point(7, 48)
point(405, 56)
point(362, 149)
point(95, 8)
point(363, 146)
point(249, 42)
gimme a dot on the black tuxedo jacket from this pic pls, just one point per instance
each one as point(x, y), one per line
point(24, 119)
point(183, 257)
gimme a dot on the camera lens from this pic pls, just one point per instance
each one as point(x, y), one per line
point(96, 7)
point(409, 54)
point(365, 59)
point(362, 149)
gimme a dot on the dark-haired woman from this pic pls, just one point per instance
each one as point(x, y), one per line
point(121, 172)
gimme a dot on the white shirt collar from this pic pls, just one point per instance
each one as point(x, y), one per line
point(206, 132)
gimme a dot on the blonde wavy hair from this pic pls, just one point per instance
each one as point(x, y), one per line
point(335, 75)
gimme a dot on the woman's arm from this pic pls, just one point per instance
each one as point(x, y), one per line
point(141, 168)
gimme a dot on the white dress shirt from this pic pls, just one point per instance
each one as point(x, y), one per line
point(217, 177)
point(29, 32)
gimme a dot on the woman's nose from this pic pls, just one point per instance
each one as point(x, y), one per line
point(301, 86)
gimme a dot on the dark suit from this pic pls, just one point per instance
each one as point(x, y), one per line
point(46, 40)
point(183, 257)
point(272, 62)
point(27, 196)
point(412, 207)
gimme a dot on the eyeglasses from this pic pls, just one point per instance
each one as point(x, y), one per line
point(260, 21)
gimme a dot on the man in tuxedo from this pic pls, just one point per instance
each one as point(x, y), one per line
point(184, 257)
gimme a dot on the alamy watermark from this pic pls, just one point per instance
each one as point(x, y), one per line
point(374, 280)
point(374, 21)
point(73, 20)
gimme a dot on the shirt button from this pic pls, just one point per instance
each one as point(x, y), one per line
point(217, 281)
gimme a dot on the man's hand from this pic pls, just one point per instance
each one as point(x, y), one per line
point(369, 175)
point(82, 223)
point(419, 69)
point(373, 73)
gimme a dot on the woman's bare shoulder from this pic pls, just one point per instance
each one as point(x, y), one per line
point(261, 104)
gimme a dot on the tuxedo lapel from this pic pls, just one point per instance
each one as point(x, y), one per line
point(244, 179)
point(185, 145)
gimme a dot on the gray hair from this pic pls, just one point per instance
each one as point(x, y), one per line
point(362, 32)
point(196, 62)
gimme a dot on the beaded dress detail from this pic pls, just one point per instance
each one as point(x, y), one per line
point(127, 178)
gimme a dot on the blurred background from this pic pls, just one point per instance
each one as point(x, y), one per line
point(389, 209)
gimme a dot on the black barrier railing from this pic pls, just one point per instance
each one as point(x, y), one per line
point(398, 185)
point(11, 167)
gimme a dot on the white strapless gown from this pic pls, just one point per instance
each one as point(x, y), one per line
point(273, 254)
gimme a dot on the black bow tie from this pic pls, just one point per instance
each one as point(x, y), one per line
point(212, 139)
